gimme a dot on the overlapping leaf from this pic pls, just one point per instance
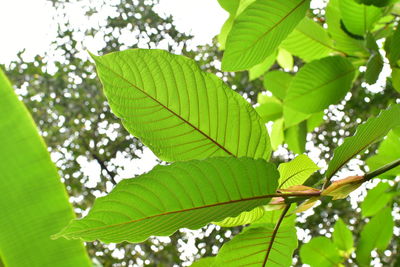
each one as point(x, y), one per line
point(342, 41)
point(259, 30)
point(186, 194)
point(270, 108)
point(257, 245)
point(368, 133)
point(357, 18)
point(308, 41)
point(259, 69)
point(33, 201)
point(295, 137)
point(376, 199)
point(177, 110)
point(296, 171)
point(320, 251)
point(342, 236)
point(277, 83)
point(388, 151)
point(320, 83)
point(243, 218)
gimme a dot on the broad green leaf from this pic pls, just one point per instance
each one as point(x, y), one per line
point(342, 236)
point(244, 218)
point(388, 151)
point(314, 121)
point(293, 117)
point(177, 110)
point(229, 5)
point(396, 79)
point(378, 3)
point(277, 83)
point(320, 251)
point(253, 246)
point(260, 69)
point(186, 194)
point(259, 30)
point(285, 59)
point(320, 83)
point(33, 201)
point(367, 134)
point(357, 18)
point(376, 199)
point(277, 134)
point(375, 234)
point(295, 138)
point(374, 68)
point(309, 41)
point(296, 172)
point(394, 54)
point(270, 108)
point(204, 262)
point(341, 40)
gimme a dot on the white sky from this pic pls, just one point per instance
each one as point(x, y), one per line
point(27, 24)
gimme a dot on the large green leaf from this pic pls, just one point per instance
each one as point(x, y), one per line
point(277, 83)
point(376, 199)
point(296, 172)
point(357, 18)
point(308, 41)
point(177, 110)
point(368, 133)
point(285, 59)
point(277, 134)
point(394, 54)
point(259, 69)
point(342, 236)
point(33, 201)
point(293, 117)
point(204, 262)
point(375, 234)
point(259, 30)
point(270, 108)
point(320, 251)
point(295, 137)
point(245, 217)
point(374, 68)
point(388, 151)
point(255, 245)
point(186, 194)
point(320, 83)
point(341, 40)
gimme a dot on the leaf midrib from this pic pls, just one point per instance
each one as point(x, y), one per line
point(174, 212)
point(168, 109)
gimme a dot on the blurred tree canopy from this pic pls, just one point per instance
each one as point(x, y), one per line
point(62, 92)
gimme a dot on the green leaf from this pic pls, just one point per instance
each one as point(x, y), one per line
point(367, 134)
point(296, 172)
point(377, 233)
point(277, 134)
point(376, 200)
point(357, 18)
point(396, 79)
point(253, 246)
point(186, 194)
point(342, 236)
point(314, 121)
point(270, 108)
point(374, 68)
point(277, 83)
point(229, 5)
point(285, 59)
point(33, 201)
point(320, 251)
point(342, 41)
point(177, 110)
point(378, 3)
point(295, 138)
point(320, 83)
point(204, 262)
point(243, 218)
point(309, 41)
point(388, 151)
point(293, 117)
point(259, 30)
point(394, 54)
point(260, 69)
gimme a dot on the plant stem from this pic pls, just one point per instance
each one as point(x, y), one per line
point(368, 176)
